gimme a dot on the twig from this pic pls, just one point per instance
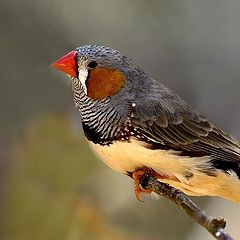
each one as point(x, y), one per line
point(216, 226)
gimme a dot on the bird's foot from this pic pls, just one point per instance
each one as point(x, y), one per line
point(138, 177)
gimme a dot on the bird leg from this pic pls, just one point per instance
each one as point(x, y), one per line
point(141, 177)
point(138, 177)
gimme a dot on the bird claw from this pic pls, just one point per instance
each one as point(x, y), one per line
point(137, 176)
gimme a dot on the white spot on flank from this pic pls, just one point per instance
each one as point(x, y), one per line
point(133, 104)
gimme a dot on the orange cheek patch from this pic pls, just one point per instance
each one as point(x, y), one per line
point(104, 82)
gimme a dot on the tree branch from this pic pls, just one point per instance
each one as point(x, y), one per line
point(216, 226)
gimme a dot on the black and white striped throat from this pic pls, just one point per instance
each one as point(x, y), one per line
point(101, 122)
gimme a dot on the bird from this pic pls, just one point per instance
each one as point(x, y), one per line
point(138, 126)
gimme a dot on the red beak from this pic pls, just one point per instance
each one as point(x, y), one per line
point(67, 64)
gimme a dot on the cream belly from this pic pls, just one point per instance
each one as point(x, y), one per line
point(129, 156)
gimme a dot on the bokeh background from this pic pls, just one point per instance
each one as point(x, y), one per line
point(51, 185)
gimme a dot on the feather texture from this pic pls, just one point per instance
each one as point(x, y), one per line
point(168, 120)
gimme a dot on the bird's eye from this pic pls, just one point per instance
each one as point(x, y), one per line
point(92, 64)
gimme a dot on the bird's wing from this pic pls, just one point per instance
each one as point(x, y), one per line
point(166, 119)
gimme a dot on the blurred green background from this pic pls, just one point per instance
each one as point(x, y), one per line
point(51, 185)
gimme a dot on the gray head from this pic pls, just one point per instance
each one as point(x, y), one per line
point(104, 56)
point(105, 84)
point(102, 71)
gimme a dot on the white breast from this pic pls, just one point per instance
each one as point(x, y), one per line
point(129, 156)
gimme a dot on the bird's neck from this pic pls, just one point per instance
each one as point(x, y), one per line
point(101, 122)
